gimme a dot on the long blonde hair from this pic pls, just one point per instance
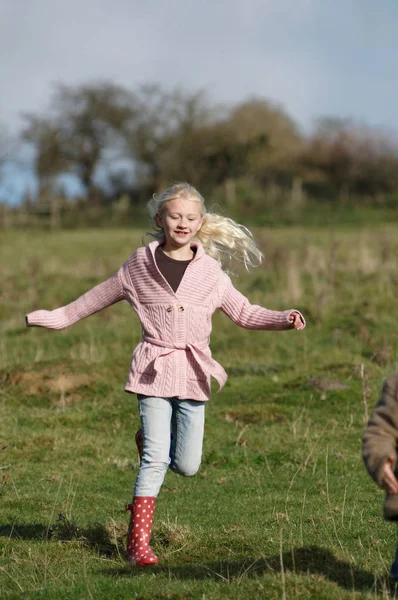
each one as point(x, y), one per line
point(222, 238)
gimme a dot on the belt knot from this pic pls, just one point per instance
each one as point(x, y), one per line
point(180, 345)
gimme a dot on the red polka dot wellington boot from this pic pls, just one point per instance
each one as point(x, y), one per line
point(140, 529)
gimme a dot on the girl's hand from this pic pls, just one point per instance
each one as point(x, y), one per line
point(296, 320)
point(390, 483)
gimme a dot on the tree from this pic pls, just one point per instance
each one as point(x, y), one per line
point(351, 157)
point(252, 140)
point(83, 124)
point(9, 147)
point(271, 137)
point(50, 160)
point(157, 135)
point(4, 145)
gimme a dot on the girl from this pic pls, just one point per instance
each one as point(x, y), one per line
point(174, 285)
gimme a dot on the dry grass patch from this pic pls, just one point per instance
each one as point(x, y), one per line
point(250, 415)
point(53, 379)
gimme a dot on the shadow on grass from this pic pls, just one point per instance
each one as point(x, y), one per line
point(301, 561)
point(63, 530)
point(311, 560)
point(24, 532)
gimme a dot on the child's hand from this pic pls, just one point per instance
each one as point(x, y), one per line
point(389, 481)
point(297, 321)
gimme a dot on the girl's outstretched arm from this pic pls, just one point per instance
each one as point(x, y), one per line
point(94, 300)
point(379, 443)
point(251, 316)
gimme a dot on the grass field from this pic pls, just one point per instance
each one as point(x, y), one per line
point(282, 506)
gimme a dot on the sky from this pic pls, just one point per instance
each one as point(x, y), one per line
point(314, 57)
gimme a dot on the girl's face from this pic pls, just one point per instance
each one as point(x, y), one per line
point(180, 219)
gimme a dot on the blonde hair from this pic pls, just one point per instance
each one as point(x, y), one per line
point(222, 238)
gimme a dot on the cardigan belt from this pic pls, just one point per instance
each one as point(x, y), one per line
point(207, 364)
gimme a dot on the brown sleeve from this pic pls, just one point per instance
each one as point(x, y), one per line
point(380, 438)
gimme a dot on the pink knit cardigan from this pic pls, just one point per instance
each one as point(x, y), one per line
point(173, 359)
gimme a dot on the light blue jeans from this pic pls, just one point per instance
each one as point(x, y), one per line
point(182, 452)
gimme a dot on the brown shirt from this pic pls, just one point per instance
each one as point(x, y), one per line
point(172, 270)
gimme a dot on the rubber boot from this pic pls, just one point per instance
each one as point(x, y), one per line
point(140, 529)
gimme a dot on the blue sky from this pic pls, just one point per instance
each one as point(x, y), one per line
point(315, 57)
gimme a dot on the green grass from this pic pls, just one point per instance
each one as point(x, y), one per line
point(282, 506)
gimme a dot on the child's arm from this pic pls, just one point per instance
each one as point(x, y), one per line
point(94, 300)
point(379, 444)
point(389, 480)
point(251, 316)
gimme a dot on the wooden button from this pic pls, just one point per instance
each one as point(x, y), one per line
point(169, 309)
point(181, 308)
